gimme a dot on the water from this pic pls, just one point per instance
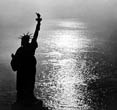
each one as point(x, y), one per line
point(73, 67)
point(75, 71)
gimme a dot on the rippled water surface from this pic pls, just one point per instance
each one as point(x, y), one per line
point(70, 63)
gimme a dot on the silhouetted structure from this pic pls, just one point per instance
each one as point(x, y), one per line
point(24, 62)
point(38, 106)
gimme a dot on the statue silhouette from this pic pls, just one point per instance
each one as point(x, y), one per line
point(24, 63)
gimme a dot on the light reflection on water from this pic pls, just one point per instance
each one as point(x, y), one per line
point(63, 68)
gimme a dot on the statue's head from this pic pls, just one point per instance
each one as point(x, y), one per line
point(25, 38)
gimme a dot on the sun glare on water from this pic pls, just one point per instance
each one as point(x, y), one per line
point(65, 71)
point(69, 39)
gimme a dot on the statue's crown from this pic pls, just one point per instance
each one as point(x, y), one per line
point(26, 36)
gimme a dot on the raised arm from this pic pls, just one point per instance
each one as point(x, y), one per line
point(38, 19)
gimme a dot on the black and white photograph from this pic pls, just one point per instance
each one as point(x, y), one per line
point(58, 54)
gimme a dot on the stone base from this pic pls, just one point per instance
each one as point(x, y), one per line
point(26, 106)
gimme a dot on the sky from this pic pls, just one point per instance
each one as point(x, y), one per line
point(17, 16)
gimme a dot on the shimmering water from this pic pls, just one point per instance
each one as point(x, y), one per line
point(76, 68)
point(72, 64)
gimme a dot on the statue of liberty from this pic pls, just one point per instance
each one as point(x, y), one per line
point(24, 63)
